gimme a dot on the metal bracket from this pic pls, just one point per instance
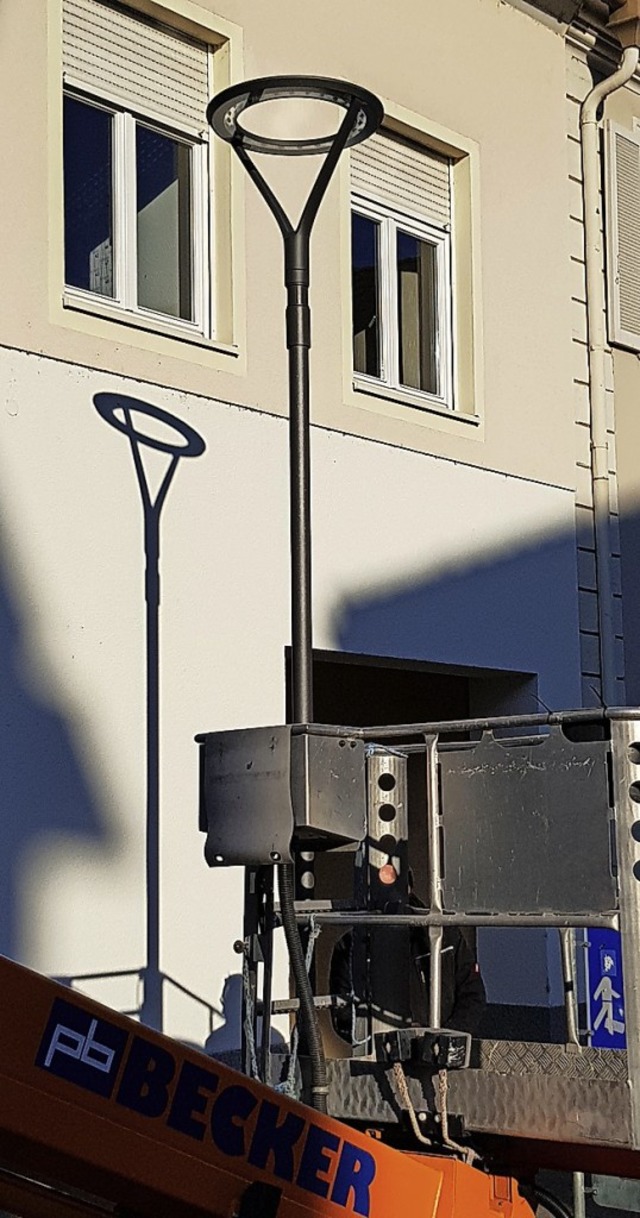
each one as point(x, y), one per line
point(440, 1048)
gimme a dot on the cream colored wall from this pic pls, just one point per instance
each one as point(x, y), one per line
point(397, 571)
point(463, 556)
point(485, 71)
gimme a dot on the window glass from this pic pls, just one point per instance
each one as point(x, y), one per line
point(365, 279)
point(163, 207)
point(88, 197)
point(417, 270)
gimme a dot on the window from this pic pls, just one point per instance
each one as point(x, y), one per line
point(401, 270)
point(135, 167)
point(623, 228)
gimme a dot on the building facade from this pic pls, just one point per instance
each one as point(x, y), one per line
point(145, 401)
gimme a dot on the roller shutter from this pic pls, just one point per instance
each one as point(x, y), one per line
point(406, 176)
point(126, 58)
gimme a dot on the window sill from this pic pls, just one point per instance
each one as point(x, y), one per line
point(400, 397)
point(108, 311)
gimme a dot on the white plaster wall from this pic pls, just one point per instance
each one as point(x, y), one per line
point(393, 530)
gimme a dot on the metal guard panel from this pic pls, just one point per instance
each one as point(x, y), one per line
point(262, 785)
point(527, 826)
point(247, 796)
point(549, 1093)
point(520, 1057)
point(328, 789)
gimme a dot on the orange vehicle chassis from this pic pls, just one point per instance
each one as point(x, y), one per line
point(91, 1102)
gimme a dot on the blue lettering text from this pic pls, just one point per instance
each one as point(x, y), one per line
point(315, 1159)
point(146, 1078)
point(189, 1099)
point(233, 1105)
point(271, 1138)
point(356, 1170)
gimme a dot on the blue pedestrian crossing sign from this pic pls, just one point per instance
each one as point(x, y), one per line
point(606, 992)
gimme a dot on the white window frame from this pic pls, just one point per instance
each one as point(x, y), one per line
point(124, 302)
point(391, 221)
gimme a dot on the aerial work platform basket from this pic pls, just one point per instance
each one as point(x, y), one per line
point(507, 822)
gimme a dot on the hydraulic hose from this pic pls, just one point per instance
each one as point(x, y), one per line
point(553, 1204)
point(308, 1017)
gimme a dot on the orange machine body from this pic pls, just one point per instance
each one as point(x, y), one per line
point(92, 1101)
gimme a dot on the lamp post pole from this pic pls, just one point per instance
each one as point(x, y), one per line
point(363, 115)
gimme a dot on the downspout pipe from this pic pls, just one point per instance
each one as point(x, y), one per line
point(598, 350)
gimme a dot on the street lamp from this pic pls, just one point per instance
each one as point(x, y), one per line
point(363, 114)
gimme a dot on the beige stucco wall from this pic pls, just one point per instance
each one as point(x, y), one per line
point(396, 571)
point(477, 68)
point(463, 556)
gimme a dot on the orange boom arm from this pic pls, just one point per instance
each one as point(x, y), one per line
point(92, 1101)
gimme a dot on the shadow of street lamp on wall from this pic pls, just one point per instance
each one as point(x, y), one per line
point(146, 425)
point(362, 115)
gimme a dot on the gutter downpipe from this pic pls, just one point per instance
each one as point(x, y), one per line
point(598, 349)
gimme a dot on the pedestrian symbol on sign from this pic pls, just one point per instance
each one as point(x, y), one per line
point(607, 995)
point(605, 989)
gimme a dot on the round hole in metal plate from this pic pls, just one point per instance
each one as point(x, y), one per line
point(634, 753)
point(387, 812)
point(636, 870)
point(634, 791)
point(387, 844)
point(387, 782)
point(635, 830)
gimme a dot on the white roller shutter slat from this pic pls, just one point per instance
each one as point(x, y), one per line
point(145, 66)
point(405, 176)
point(623, 235)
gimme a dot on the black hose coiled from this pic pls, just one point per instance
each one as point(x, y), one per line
point(308, 1018)
point(553, 1204)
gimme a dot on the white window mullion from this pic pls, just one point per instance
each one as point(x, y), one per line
point(127, 205)
point(445, 326)
point(119, 178)
point(199, 259)
point(389, 304)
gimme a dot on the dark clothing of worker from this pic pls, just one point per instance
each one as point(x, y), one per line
point(463, 993)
